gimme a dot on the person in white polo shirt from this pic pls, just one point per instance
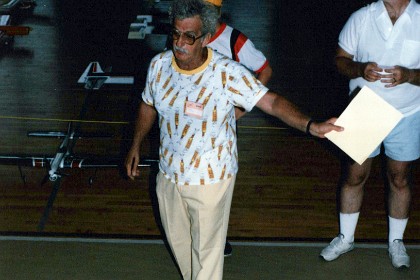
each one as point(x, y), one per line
point(379, 47)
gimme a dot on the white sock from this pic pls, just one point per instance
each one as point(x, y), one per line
point(396, 228)
point(348, 223)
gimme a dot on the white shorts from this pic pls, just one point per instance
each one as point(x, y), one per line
point(403, 143)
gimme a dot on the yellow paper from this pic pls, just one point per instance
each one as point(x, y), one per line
point(367, 120)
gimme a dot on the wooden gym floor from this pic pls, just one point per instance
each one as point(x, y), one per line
point(286, 187)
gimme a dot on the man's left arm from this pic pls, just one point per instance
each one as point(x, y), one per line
point(264, 77)
point(278, 106)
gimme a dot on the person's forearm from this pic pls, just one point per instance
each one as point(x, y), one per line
point(286, 111)
point(414, 77)
point(291, 114)
point(349, 68)
point(145, 118)
point(280, 107)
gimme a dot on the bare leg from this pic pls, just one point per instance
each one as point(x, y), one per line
point(351, 196)
point(398, 173)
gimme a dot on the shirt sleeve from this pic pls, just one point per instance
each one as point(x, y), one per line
point(349, 36)
point(251, 57)
point(243, 88)
point(147, 94)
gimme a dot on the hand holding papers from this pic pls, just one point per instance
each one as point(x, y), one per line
point(367, 120)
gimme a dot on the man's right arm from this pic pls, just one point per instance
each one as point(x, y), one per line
point(145, 119)
point(353, 69)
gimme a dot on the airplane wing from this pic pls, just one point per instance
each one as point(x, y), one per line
point(10, 30)
point(78, 162)
point(61, 134)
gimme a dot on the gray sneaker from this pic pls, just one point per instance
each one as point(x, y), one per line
point(337, 247)
point(398, 254)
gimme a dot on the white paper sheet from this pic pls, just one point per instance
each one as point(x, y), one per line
point(367, 120)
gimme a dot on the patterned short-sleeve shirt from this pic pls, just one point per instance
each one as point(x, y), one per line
point(196, 115)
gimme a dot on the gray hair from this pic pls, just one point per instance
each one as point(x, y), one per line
point(182, 9)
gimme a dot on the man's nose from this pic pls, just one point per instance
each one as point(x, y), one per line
point(181, 41)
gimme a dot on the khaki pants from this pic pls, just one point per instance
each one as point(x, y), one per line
point(195, 220)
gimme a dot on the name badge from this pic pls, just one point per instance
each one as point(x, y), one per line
point(193, 109)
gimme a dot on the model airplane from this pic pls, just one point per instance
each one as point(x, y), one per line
point(63, 159)
point(94, 77)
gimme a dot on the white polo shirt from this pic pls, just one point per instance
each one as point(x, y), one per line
point(196, 115)
point(370, 36)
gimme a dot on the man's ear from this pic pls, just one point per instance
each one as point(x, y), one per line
point(206, 40)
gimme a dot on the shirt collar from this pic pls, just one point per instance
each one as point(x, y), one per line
point(382, 12)
point(383, 21)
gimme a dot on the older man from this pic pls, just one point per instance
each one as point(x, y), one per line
point(193, 91)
